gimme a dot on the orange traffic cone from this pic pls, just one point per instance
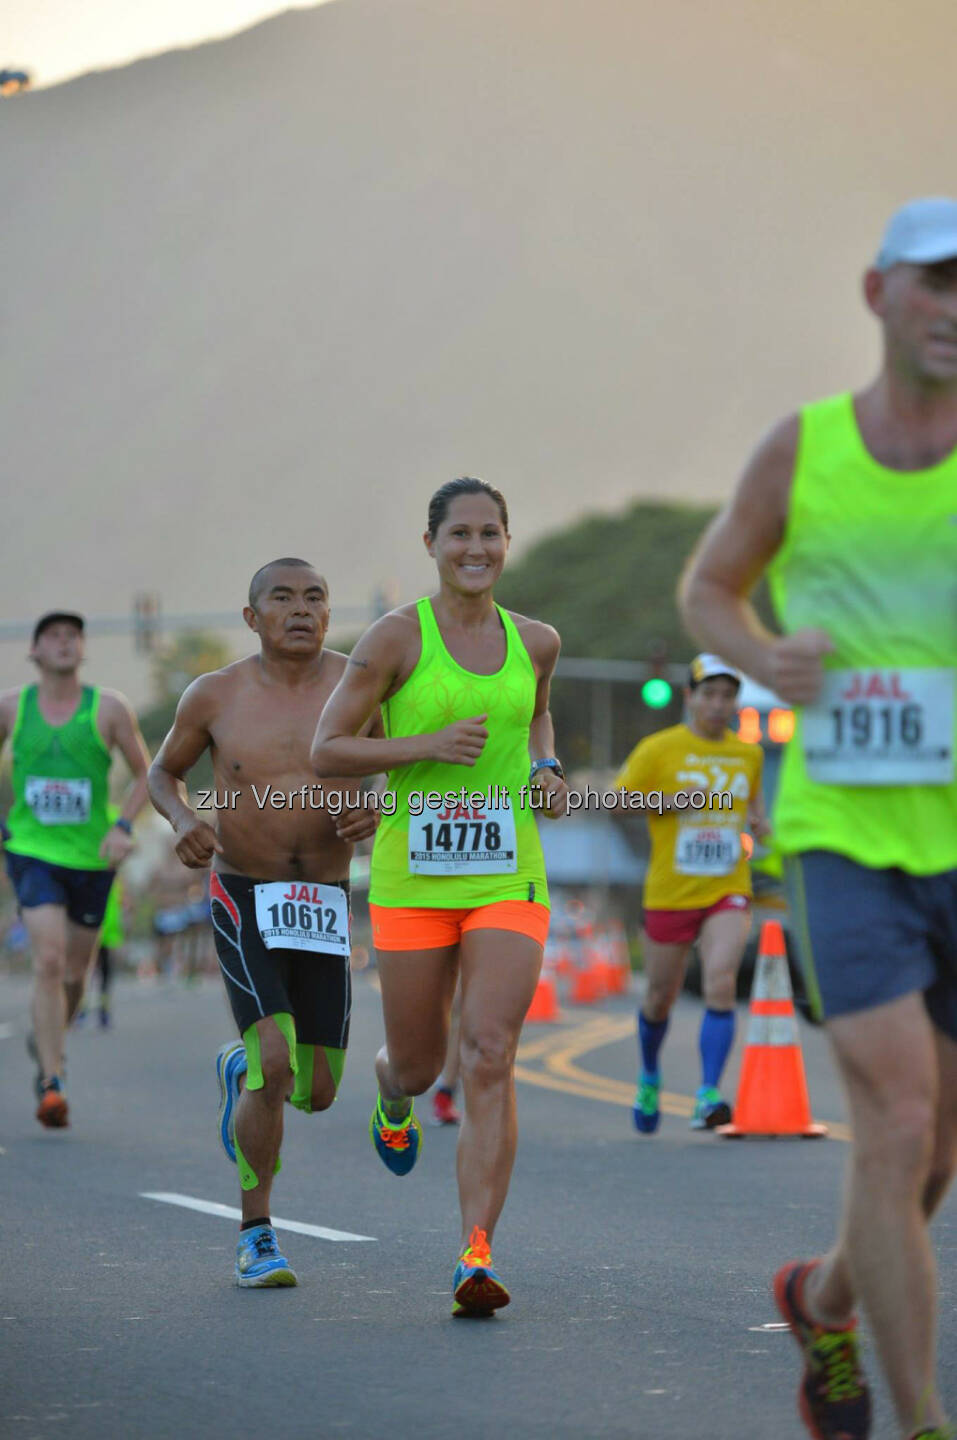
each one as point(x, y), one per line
point(585, 987)
point(544, 1006)
point(772, 1092)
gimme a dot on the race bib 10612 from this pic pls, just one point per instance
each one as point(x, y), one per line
point(706, 850)
point(463, 842)
point(882, 727)
point(59, 802)
point(294, 915)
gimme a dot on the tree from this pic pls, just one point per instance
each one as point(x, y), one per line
point(180, 661)
point(607, 583)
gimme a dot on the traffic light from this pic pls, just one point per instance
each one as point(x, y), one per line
point(749, 725)
point(780, 726)
point(146, 622)
point(656, 692)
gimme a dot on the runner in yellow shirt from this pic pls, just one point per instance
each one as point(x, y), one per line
point(701, 786)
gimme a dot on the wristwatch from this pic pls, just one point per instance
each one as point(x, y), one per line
point(125, 825)
point(549, 764)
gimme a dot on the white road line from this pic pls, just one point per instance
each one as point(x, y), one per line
point(228, 1212)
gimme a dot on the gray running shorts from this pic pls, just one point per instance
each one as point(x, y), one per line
point(867, 936)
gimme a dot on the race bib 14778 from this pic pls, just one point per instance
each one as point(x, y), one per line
point(882, 727)
point(463, 842)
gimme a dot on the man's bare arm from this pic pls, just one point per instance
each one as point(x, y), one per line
point(179, 752)
point(9, 701)
point(120, 730)
point(726, 565)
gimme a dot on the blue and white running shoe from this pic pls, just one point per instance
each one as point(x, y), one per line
point(260, 1262)
point(230, 1065)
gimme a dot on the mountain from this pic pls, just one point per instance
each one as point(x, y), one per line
point(264, 295)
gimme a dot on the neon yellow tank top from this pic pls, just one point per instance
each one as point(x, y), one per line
point(455, 856)
point(870, 556)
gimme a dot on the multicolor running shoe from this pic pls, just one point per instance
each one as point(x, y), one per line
point(476, 1289)
point(833, 1400)
point(945, 1432)
point(710, 1110)
point(397, 1142)
point(645, 1110)
point(260, 1262)
point(53, 1111)
point(444, 1111)
point(230, 1065)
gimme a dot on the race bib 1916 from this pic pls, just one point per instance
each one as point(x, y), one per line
point(706, 849)
point(476, 842)
point(293, 915)
point(59, 802)
point(882, 727)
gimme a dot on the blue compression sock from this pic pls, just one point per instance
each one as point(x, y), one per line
point(651, 1034)
point(714, 1041)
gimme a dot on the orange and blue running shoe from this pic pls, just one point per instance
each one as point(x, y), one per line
point(476, 1289)
point(53, 1111)
point(833, 1400)
point(397, 1142)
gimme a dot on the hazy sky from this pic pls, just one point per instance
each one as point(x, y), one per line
point(55, 39)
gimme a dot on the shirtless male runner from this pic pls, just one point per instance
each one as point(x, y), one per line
point(280, 843)
point(62, 843)
point(851, 508)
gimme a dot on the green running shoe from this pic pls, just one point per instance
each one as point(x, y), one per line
point(645, 1112)
point(710, 1110)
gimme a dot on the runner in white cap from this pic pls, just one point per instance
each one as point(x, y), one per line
point(851, 507)
point(698, 887)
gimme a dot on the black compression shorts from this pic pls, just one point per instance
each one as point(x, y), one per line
point(315, 989)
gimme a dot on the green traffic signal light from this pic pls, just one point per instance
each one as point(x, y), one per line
point(656, 693)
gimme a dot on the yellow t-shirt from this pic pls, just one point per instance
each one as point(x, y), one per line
point(696, 855)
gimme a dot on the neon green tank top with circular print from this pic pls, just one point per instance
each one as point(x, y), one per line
point(443, 849)
point(60, 785)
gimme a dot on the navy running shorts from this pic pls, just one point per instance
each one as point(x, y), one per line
point(865, 936)
point(83, 893)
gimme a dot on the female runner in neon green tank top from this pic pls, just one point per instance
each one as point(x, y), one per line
point(458, 881)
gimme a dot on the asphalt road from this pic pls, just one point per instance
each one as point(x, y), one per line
point(639, 1268)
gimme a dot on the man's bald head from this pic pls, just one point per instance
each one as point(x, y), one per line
point(260, 581)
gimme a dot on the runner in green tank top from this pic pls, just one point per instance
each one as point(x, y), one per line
point(62, 847)
point(458, 880)
point(851, 507)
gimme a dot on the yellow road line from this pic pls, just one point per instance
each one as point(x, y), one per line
point(560, 1050)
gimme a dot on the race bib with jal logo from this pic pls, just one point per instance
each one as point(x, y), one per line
point(706, 850)
point(293, 915)
point(474, 842)
point(59, 802)
point(882, 727)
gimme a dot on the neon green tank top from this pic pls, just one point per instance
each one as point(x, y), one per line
point(870, 556)
point(454, 856)
point(59, 812)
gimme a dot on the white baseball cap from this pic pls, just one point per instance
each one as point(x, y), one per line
point(923, 232)
point(708, 667)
